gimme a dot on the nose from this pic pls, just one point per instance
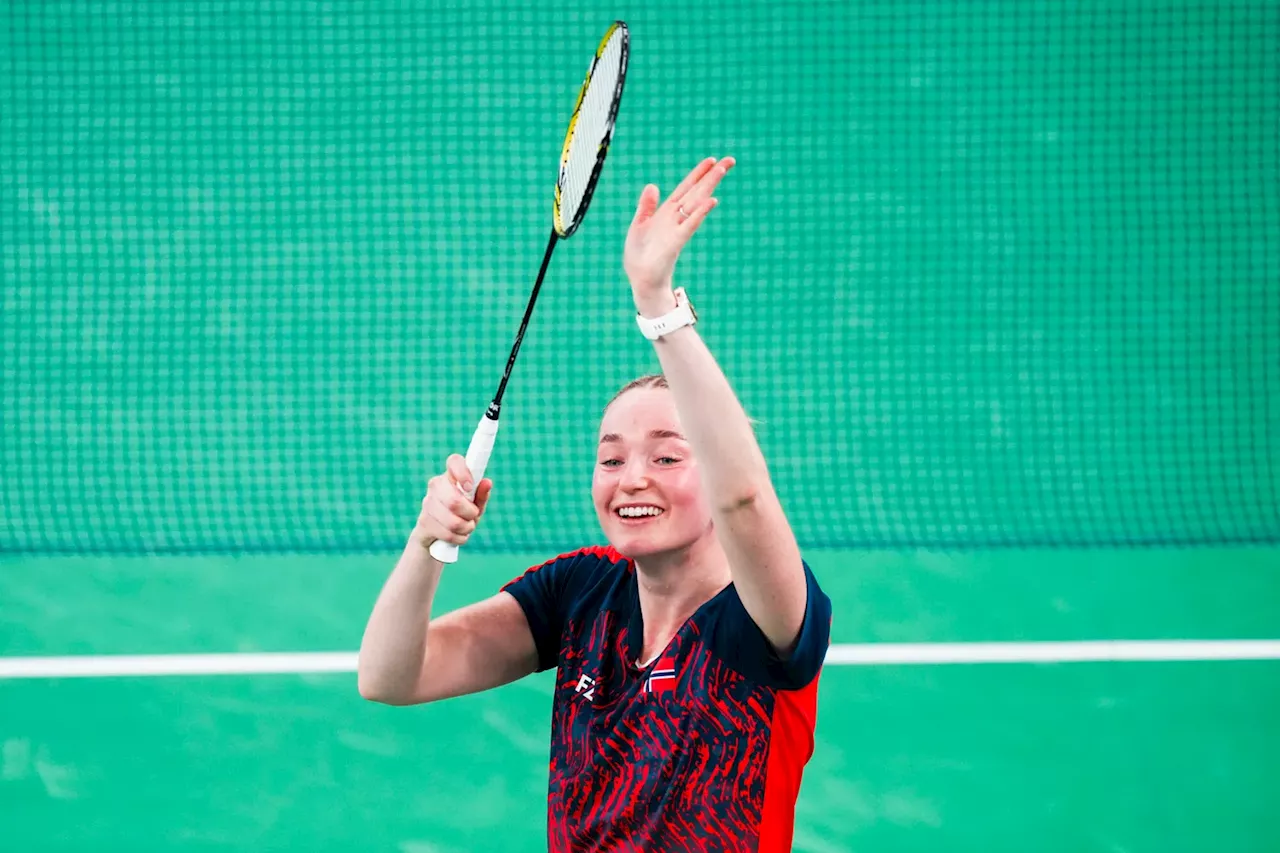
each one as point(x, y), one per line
point(635, 475)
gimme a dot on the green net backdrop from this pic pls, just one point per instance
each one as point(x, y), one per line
point(987, 274)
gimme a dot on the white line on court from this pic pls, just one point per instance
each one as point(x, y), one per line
point(245, 663)
point(1064, 652)
point(847, 654)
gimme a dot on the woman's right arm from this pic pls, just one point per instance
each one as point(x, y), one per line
point(406, 657)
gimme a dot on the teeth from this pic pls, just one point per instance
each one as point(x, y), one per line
point(638, 511)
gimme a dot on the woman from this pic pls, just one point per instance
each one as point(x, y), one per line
point(688, 650)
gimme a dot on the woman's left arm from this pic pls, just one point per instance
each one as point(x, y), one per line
point(762, 550)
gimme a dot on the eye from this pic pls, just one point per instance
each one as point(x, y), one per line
point(668, 460)
point(610, 463)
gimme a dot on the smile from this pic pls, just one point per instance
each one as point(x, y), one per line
point(638, 513)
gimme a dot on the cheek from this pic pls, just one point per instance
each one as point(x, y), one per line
point(600, 489)
point(685, 493)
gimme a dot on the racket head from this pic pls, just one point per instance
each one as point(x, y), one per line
point(590, 130)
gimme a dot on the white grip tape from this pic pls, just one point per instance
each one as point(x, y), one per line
point(478, 454)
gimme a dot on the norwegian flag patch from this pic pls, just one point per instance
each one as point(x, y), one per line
point(662, 678)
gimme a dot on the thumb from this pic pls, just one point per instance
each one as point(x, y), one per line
point(482, 494)
point(648, 202)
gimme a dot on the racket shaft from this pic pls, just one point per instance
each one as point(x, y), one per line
point(478, 454)
point(487, 431)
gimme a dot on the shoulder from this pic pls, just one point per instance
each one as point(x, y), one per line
point(734, 637)
point(584, 564)
point(557, 591)
point(586, 572)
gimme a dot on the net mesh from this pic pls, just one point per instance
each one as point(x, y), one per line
point(986, 274)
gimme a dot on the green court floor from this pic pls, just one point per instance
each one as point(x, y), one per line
point(1108, 757)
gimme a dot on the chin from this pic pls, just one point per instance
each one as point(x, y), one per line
point(634, 547)
point(638, 545)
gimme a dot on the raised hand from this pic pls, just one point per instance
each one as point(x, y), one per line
point(659, 233)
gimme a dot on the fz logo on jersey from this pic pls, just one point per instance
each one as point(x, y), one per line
point(586, 686)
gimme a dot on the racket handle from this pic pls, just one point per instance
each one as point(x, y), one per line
point(477, 460)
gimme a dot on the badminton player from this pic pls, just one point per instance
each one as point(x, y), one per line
point(687, 649)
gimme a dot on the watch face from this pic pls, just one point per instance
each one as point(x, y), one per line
point(682, 299)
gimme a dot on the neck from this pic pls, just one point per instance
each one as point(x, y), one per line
point(672, 586)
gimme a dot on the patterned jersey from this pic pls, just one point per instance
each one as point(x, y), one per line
point(703, 749)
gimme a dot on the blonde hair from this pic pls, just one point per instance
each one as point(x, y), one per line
point(653, 380)
point(650, 380)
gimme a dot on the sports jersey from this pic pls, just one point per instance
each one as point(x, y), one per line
point(701, 750)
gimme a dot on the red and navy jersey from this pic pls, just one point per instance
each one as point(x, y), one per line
point(700, 751)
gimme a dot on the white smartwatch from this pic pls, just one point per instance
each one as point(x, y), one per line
point(683, 315)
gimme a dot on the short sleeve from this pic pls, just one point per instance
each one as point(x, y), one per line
point(739, 642)
point(545, 593)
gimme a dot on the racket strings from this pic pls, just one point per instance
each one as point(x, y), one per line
point(591, 129)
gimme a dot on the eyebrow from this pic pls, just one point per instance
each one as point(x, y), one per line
point(653, 433)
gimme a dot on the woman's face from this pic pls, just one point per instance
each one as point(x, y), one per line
point(646, 487)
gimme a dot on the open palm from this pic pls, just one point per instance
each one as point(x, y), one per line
point(659, 232)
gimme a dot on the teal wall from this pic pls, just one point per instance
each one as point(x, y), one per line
point(987, 274)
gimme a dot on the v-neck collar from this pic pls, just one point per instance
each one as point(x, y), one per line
point(635, 621)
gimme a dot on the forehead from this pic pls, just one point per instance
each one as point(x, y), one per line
point(640, 411)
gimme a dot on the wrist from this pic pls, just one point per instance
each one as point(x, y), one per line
point(422, 538)
point(660, 320)
point(653, 305)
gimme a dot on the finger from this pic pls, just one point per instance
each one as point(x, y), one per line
point(690, 179)
point(648, 203)
point(444, 492)
point(454, 537)
point(456, 503)
point(707, 185)
point(695, 218)
point(482, 495)
point(431, 520)
point(449, 522)
point(456, 465)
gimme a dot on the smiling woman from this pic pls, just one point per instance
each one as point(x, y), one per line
point(688, 649)
point(645, 487)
